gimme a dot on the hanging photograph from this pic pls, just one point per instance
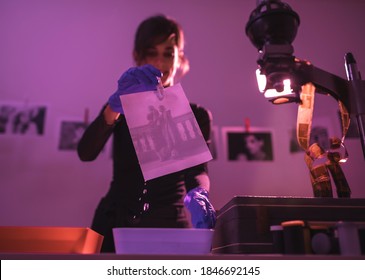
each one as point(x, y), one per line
point(319, 134)
point(70, 134)
point(22, 120)
point(241, 145)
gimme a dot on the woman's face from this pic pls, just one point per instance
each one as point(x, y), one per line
point(165, 57)
point(253, 144)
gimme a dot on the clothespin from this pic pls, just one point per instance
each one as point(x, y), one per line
point(247, 125)
point(86, 116)
point(160, 89)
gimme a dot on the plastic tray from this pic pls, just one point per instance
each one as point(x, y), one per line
point(15, 239)
point(162, 240)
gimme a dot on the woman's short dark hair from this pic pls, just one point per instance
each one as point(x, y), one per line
point(155, 30)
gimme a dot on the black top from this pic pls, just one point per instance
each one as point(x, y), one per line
point(130, 201)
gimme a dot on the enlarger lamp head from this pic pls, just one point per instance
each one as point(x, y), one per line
point(279, 91)
point(272, 22)
point(272, 28)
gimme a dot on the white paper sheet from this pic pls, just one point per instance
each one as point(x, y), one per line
point(165, 133)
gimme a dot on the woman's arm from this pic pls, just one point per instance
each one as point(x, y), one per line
point(198, 175)
point(197, 180)
point(97, 134)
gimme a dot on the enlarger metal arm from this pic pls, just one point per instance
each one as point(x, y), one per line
point(351, 93)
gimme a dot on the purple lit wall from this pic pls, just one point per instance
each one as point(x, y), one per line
point(66, 56)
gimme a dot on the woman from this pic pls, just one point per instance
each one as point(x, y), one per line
point(130, 201)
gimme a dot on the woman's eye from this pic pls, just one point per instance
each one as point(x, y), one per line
point(151, 54)
point(168, 54)
point(155, 54)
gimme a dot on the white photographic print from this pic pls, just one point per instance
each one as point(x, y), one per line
point(165, 133)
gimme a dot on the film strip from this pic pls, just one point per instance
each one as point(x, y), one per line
point(322, 164)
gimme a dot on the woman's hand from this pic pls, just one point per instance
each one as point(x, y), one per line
point(135, 79)
point(202, 212)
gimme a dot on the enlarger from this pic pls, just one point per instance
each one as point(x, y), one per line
point(313, 225)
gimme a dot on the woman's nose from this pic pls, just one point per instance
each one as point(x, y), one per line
point(157, 62)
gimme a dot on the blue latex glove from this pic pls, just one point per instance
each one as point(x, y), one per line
point(135, 79)
point(202, 212)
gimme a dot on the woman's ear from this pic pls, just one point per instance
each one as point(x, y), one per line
point(182, 69)
point(184, 65)
point(136, 58)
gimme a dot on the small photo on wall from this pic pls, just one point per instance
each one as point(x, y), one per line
point(319, 134)
point(70, 135)
point(253, 145)
point(22, 120)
